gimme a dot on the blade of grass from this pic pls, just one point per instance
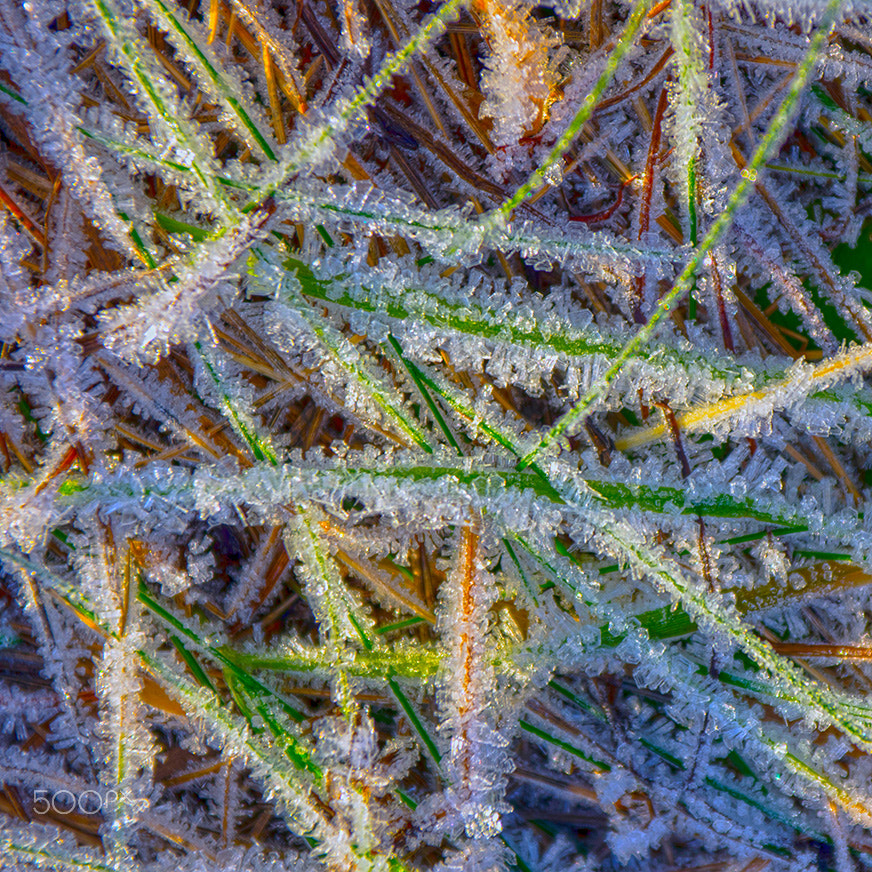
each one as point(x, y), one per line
point(765, 150)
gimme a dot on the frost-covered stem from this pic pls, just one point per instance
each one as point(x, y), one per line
point(118, 687)
point(141, 151)
point(233, 410)
point(447, 234)
point(692, 86)
point(353, 361)
point(266, 762)
point(330, 602)
point(200, 56)
point(465, 626)
point(181, 131)
point(818, 702)
point(45, 857)
point(475, 762)
point(318, 142)
point(808, 380)
point(539, 177)
point(768, 144)
point(417, 664)
point(528, 330)
point(690, 102)
point(129, 744)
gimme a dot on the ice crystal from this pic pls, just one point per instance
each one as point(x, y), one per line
point(436, 436)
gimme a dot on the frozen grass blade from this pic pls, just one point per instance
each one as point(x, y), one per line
point(765, 150)
point(355, 497)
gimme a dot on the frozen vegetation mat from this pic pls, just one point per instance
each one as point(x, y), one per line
point(435, 436)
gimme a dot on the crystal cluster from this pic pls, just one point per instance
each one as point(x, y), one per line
point(435, 435)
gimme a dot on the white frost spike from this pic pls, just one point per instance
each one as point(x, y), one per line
point(476, 761)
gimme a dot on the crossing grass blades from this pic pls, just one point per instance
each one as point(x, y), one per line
point(435, 435)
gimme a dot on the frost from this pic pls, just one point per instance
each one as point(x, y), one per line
point(435, 436)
